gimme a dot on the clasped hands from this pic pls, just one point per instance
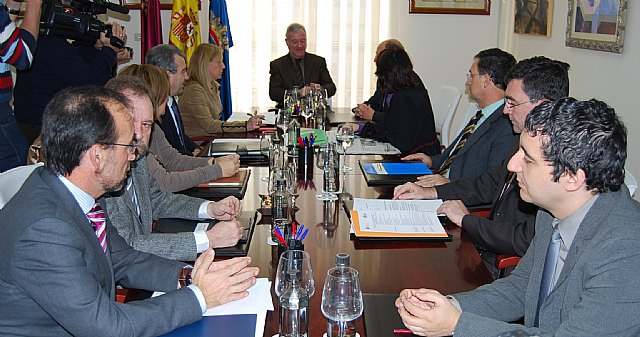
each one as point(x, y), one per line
point(427, 313)
point(228, 230)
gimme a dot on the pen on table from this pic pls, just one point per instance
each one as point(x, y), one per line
point(300, 229)
point(405, 332)
point(255, 114)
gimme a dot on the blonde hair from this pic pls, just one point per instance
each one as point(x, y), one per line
point(199, 65)
point(156, 78)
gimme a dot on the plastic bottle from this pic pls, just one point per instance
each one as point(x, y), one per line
point(294, 308)
point(280, 208)
point(333, 328)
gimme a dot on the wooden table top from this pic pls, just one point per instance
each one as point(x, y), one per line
point(384, 267)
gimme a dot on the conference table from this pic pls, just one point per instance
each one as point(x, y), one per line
point(384, 267)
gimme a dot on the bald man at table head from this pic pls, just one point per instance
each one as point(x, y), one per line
point(575, 278)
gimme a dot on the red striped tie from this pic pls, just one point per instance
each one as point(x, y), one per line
point(99, 221)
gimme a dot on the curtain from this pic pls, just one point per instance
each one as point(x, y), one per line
point(344, 32)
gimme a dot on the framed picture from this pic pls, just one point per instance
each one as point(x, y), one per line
point(597, 24)
point(164, 4)
point(533, 17)
point(478, 7)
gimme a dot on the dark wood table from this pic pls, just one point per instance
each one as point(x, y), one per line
point(384, 267)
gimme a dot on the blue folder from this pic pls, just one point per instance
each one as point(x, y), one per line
point(399, 168)
point(219, 326)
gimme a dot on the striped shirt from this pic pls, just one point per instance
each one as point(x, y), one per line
point(16, 49)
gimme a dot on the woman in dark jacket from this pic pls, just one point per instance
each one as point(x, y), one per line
point(406, 118)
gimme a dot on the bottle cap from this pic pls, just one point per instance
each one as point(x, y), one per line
point(343, 259)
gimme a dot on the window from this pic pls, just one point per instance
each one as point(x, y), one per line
point(344, 32)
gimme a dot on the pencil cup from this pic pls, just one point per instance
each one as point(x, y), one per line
point(283, 226)
point(305, 161)
point(293, 245)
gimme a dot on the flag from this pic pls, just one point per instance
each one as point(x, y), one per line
point(151, 26)
point(220, 35)
point(185, 27)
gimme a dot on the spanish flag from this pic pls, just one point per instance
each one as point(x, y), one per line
point(185, 27)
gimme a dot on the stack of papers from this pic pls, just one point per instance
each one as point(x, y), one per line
point(366, 146)
point(397, 218)
point(269, 117)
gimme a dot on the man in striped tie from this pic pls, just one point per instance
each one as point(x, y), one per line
point(484, 142)
point(61, 258)
point(510, 225)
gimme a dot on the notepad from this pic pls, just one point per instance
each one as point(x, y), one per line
point(396, 168)
point(219, 326)
point(234, 181)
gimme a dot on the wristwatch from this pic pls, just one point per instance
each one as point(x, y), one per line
point(184, 279)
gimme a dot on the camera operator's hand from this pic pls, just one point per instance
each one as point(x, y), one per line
point(123, 56)
point(116, 31)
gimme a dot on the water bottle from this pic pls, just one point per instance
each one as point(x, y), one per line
point(333, 328)
point(280, 208)
point(294, 308)
point(331, 171)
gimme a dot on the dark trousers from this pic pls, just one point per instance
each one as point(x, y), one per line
point(13, 145)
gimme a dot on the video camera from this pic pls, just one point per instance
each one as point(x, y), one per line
point(77, 20)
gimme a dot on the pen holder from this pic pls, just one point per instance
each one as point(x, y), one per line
point(284, 226)
point(293, 245)
point(305, 161)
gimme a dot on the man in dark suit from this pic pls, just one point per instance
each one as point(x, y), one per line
point(61, 258)
point(485, 145)
point(298, 68)
point(576, 278)
point(510, 226)
point(172, 60)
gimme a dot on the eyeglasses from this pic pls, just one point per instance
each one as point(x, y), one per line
point(470, 74)
point(511, 104)
point(133, 147)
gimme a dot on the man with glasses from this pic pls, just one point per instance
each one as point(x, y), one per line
point(484, 142)
point(509, 227)
point(133, 209)
point(61, 258)
point(298, 68)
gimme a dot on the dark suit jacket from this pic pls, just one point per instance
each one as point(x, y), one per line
point(485, 149)
point(171, 133)
point(55, 280)
point(595, 293)
point(283, 76)
point(375, 101)
point(408, 123)
point(510, 228)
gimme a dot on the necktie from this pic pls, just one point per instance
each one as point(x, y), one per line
point(99, 221)
point(299, 74)
point(132, 194)
point(468, 130)
point(549, 268)
point(179, 126)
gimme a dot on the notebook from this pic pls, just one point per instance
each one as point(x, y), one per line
point(381, 172)
point(235, 186)
point(219, 326)
point(381, 315)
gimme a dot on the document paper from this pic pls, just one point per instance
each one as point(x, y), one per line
point(396, 218)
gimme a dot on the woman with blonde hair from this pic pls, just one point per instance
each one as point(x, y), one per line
point(172, 170)
point(200, 105)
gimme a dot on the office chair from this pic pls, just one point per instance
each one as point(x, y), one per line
point(444, 107)
point(12, 180)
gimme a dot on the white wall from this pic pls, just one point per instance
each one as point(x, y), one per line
point(442, 46)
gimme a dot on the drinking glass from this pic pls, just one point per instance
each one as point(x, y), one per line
point(342, 296)
point(307, 110)
point(344, 137)
point(325, 160)
point(266, 149)
point(282, 122)
point(294, 259)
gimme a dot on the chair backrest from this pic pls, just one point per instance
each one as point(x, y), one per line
point(631, 182)
point(12, 180)
point(444, 107)
point(471, 111)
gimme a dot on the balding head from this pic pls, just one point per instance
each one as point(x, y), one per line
point(387, 44)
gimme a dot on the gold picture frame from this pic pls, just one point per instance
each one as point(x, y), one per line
point(474, 7)
point(137, 4)
point(597, 25)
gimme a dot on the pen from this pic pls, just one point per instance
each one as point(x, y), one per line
point(405, 332)
point(304, 234)
point(299, 231)
point(276, 230)
point(255, 114)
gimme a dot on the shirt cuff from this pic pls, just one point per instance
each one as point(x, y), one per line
point(199, 296)
point(202, 241)
point(454, 302)
point(202, 211)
